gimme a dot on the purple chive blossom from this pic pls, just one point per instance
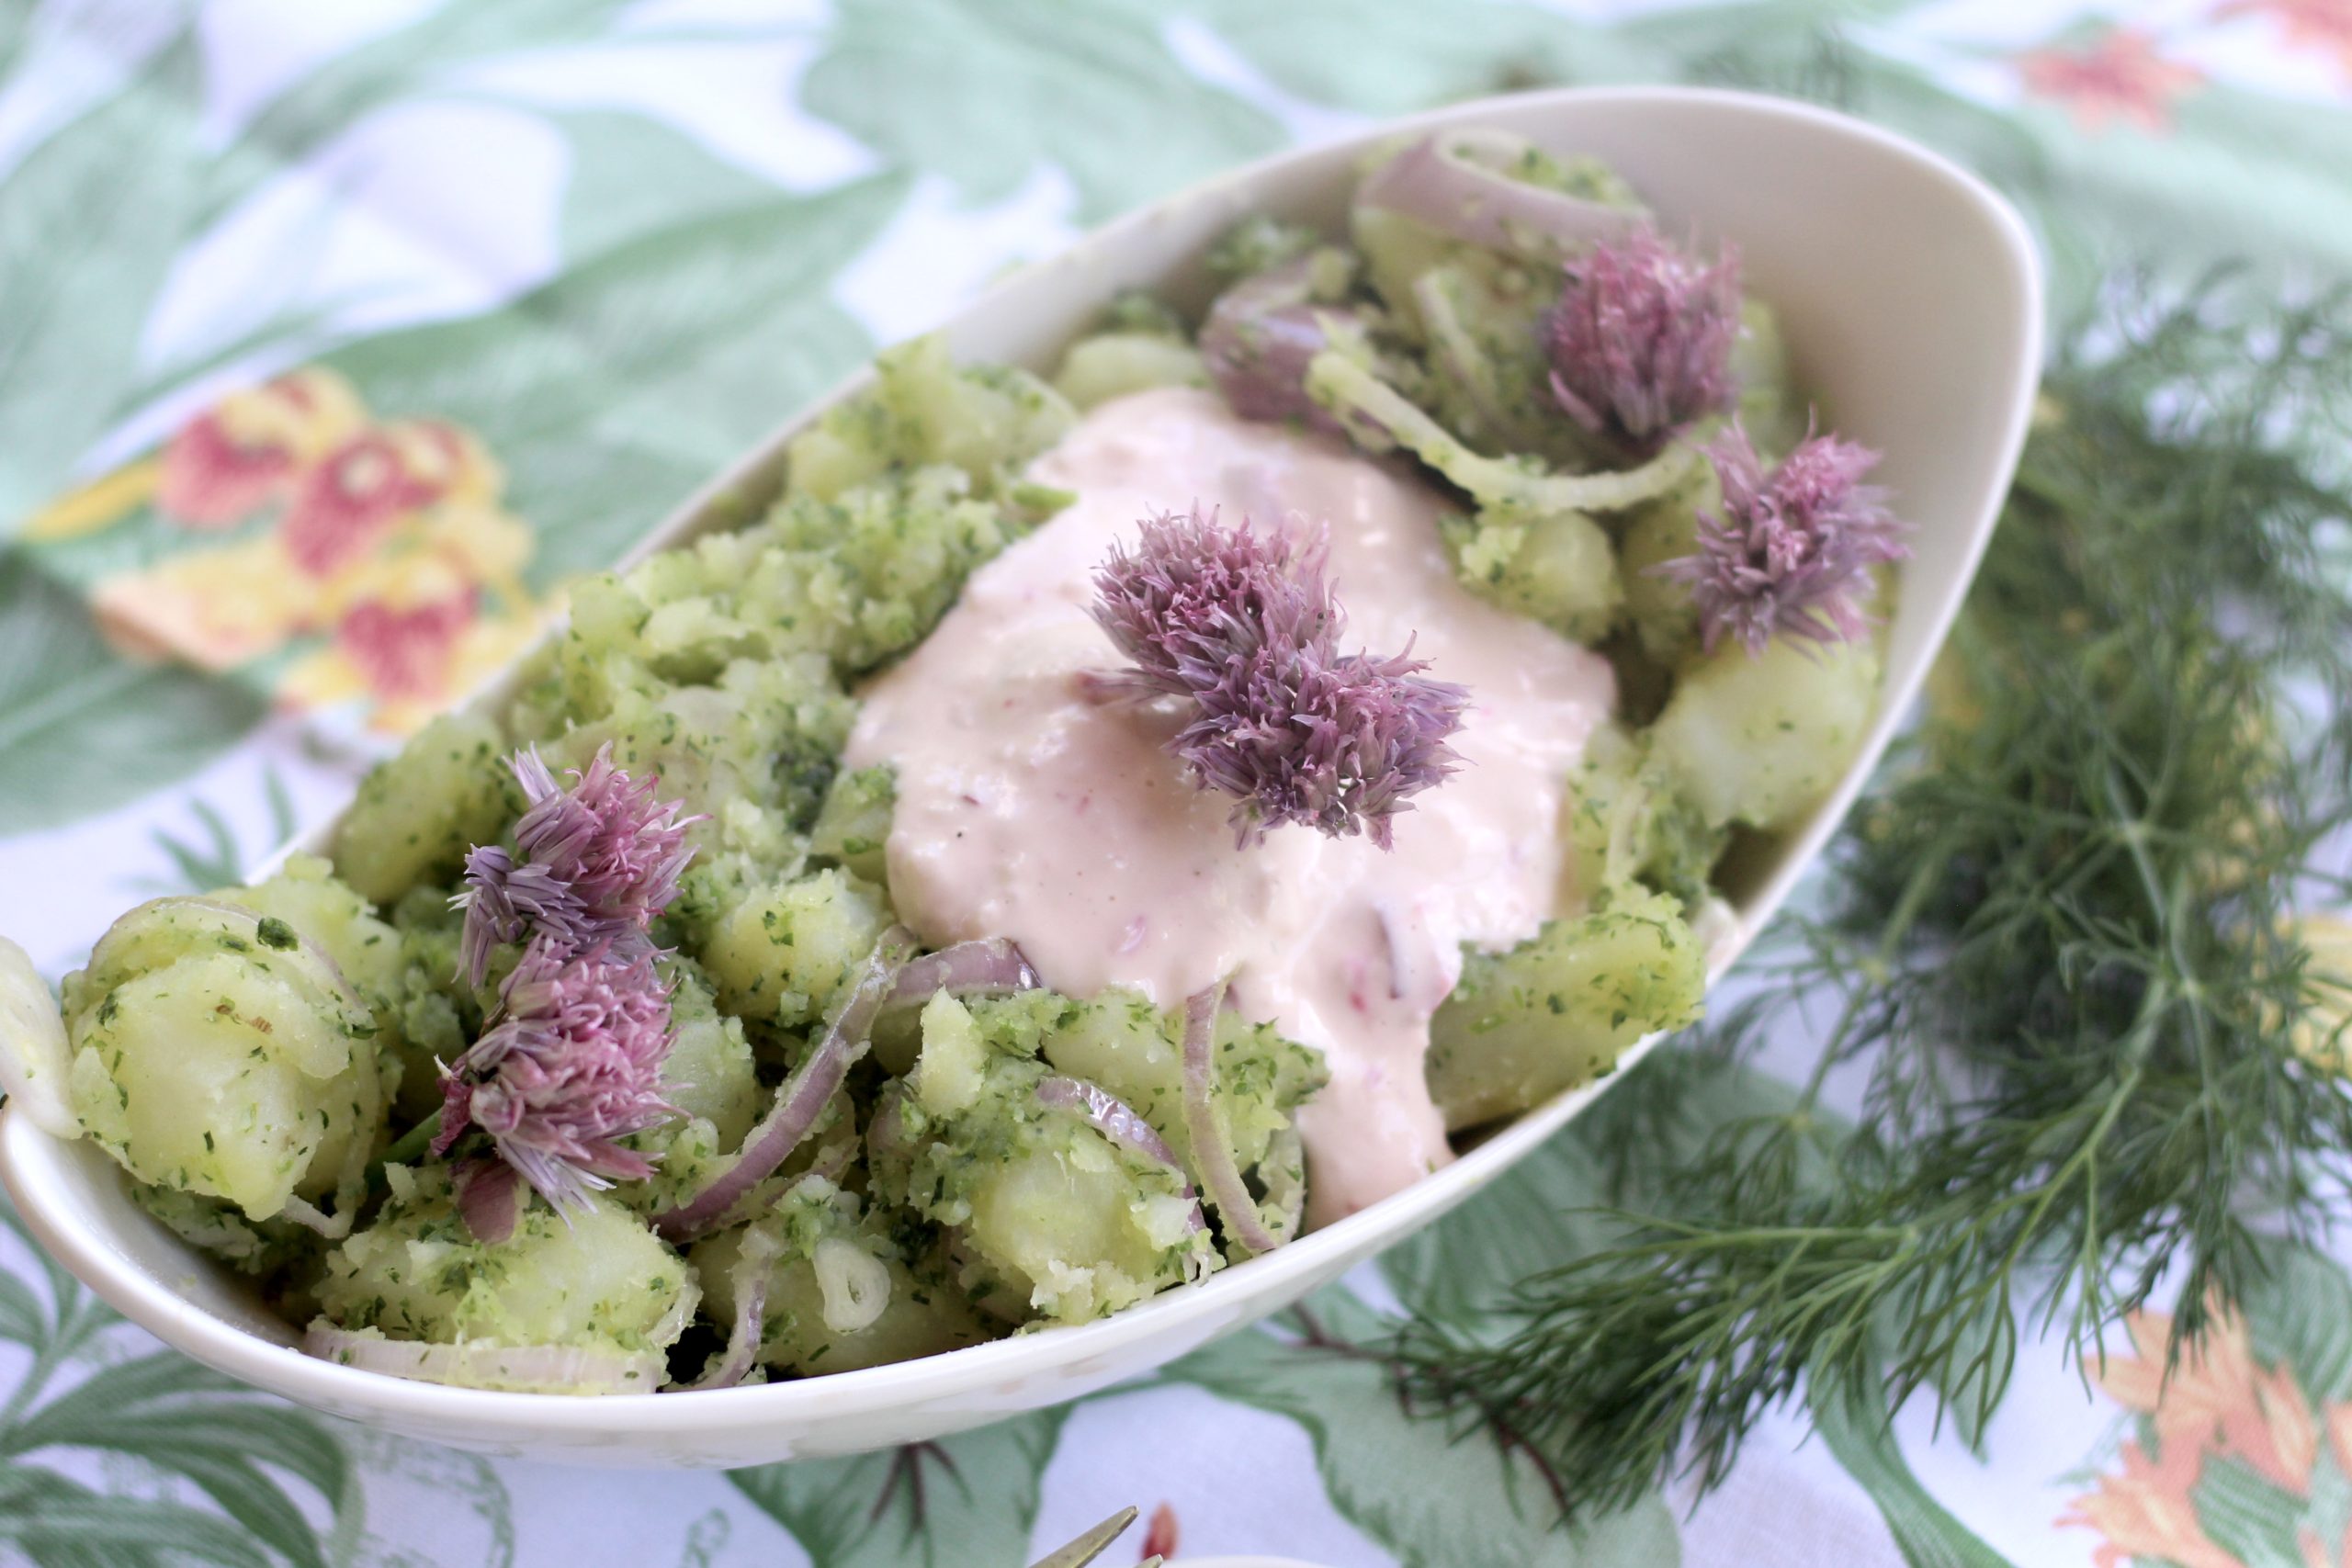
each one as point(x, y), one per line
point(572, 1064)
point(1642, 337)
point(1793, 551)
point(598, 863)
point(1244, 628)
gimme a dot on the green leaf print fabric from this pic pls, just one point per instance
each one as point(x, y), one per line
point(549, 264)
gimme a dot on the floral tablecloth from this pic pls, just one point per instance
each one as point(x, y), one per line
point(334, 338)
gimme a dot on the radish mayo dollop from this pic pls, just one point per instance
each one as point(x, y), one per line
point(1028, 810)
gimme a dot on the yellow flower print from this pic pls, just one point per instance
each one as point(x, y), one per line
point(213, 608)
point(389, 543)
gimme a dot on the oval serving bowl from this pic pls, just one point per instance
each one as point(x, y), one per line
point(1910, 297)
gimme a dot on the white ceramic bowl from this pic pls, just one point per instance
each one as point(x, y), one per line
point(1910, 297)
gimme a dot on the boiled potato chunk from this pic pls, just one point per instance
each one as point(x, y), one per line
point(1052, 1217)
point(852, 827)
point(332, 918)
point(1067, 1218)
point(1623, 820)
point(419, 811)
point(1122, 1043)
point(1558, 1009)
point(784, 952)
point(1760, 740)
point(592, 1278)
point(1111, 365)
point(1559, 569)
point(227, 1074)
point(839, 1295)
point(923, 408)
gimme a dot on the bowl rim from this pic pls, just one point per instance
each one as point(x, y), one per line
point(33, 1163)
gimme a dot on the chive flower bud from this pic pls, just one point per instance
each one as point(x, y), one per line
point(570, 1065)
point(1791, 553)
point(1641, 340)
point(598, 862)
point(1243, 628)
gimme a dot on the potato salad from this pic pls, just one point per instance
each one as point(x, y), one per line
point(1074, 836)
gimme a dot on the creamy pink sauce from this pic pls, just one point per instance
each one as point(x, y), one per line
point(1028, 810)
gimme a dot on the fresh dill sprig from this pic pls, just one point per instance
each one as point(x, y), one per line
point(2059, 946)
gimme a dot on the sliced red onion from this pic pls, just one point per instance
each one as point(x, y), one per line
point(534, 1369)
point(995, 968)
point(1120, 1123)
point(1452, 181)
point(489, 1194)
point(750, 1278)
point(801, 1098)
point(1259, 339)
point(1212, 1150)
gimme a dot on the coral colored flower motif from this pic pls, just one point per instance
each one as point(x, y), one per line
point(1246, 631)
point(1641, 340)
point(598, 863)
point(2320, 25)
point(251, 446)
point(572, 1064)
point(216, 609)
point(2218, 1398)
point(1793, 551)
point(2121, 78)
point(2148, 1512)
point(345, 504)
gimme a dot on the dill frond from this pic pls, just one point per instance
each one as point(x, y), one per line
point(2059, 941)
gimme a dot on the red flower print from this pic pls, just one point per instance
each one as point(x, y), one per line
point(406, 652)
point(1159, 1537)
point(248, 447)
point(2322, 26)
point(2121, 77)
point(360, 490)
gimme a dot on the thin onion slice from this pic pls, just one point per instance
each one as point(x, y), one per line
point(36, 1060)
point(1452, 181)
point(526, 1369)
point(1378, 415)
point(1212, 1150)
point(800, 1099)
point(334, 1228)
point(1260, 337)
point(1120, 1123)
point(995, 968)
point(750, 1278)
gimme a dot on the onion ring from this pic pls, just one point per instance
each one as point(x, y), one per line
point(1454, 182)
point(1212, 1150)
